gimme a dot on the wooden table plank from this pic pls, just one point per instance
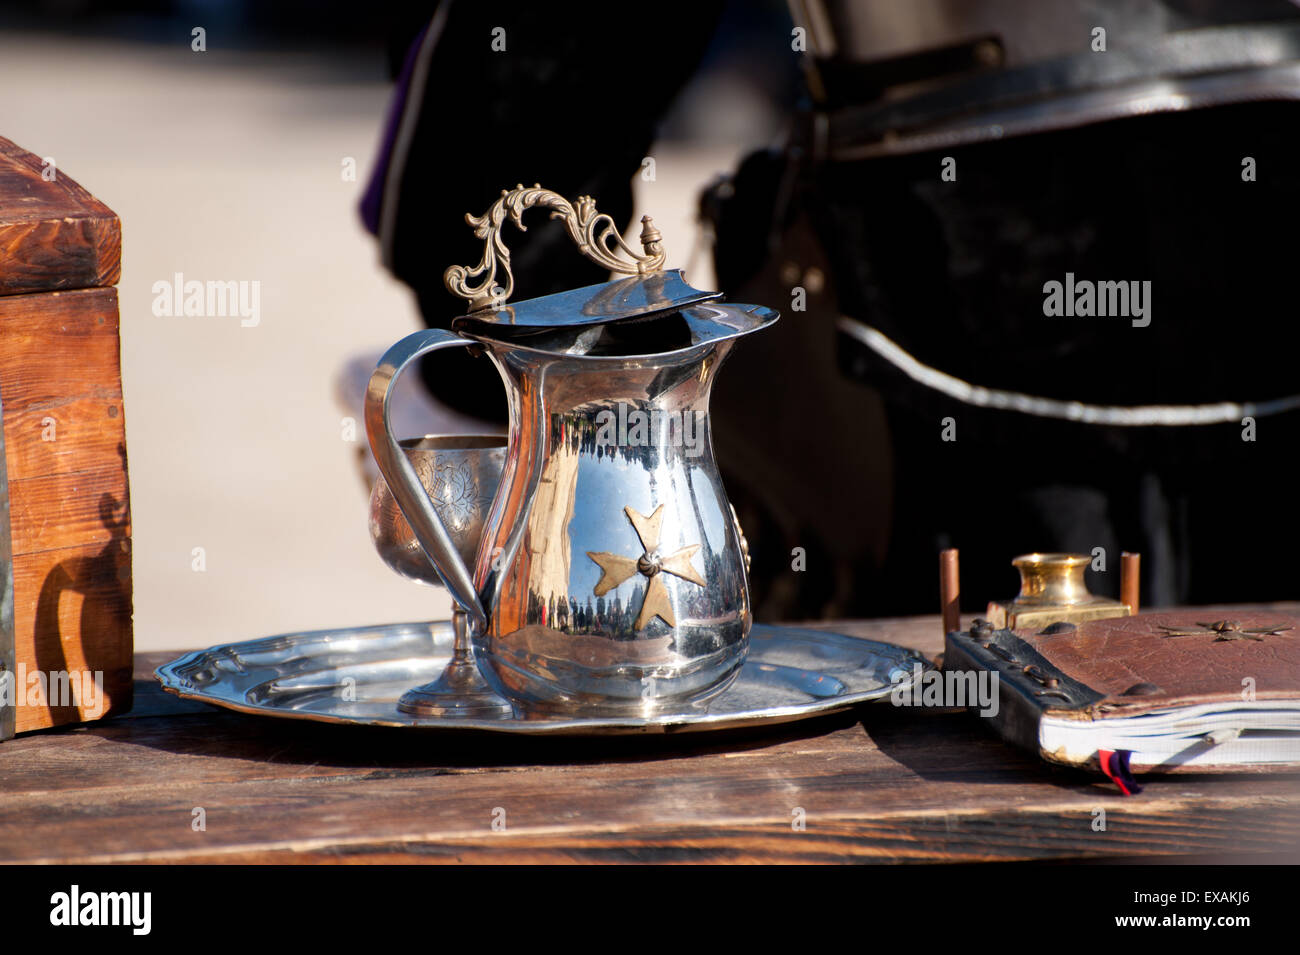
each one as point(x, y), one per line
point(879, 784)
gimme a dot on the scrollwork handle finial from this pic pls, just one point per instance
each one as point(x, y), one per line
point(593, 232)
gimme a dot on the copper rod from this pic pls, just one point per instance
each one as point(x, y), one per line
point(949, 590)
point(1130, 573)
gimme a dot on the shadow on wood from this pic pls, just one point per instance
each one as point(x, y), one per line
point(103, 581)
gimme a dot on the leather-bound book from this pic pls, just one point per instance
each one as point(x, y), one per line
point(1186, 691)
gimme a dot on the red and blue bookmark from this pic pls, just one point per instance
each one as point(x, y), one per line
point(1114, 763)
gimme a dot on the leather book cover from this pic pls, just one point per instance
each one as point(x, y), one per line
point(1187, 690)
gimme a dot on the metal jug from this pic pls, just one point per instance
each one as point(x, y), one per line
point(611, 575)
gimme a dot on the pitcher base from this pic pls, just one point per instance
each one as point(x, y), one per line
point(551, 687)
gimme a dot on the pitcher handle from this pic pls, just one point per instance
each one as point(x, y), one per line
point(396, 467)
point(594, 233)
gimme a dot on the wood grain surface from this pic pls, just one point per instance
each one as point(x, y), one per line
point(65, 450)
point(53, 234)
point(876, 784)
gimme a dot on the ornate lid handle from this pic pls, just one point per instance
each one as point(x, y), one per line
point(593, 232)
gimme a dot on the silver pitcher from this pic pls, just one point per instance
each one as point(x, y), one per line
point(611, 576)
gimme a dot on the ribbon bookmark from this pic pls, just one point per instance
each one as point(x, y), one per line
point(1114, 763)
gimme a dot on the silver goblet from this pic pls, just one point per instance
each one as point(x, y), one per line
point(460, 473)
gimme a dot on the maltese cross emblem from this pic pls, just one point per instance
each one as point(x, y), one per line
point(615, 568)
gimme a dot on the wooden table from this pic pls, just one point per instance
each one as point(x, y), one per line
point(878, 784)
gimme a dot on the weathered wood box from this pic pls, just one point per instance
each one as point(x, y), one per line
point(65, 643)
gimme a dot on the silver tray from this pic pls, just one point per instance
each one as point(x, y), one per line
point(356, 675)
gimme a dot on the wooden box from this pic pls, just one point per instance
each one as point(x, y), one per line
point(64, 451)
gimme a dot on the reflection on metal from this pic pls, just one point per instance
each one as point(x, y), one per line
point(355, 676)
point(615, 569)
point(8, 652)
point(640, 297)
point(539, 633)
point(562, 634)
point(550, 549)
point(460, 474)
point(594, 233)
point(740, 533)
point(553, 631)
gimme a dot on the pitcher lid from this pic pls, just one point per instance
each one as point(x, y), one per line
point(637, 297)
point(649, 291)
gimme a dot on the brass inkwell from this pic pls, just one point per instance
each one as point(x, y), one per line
point(1052, 590)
